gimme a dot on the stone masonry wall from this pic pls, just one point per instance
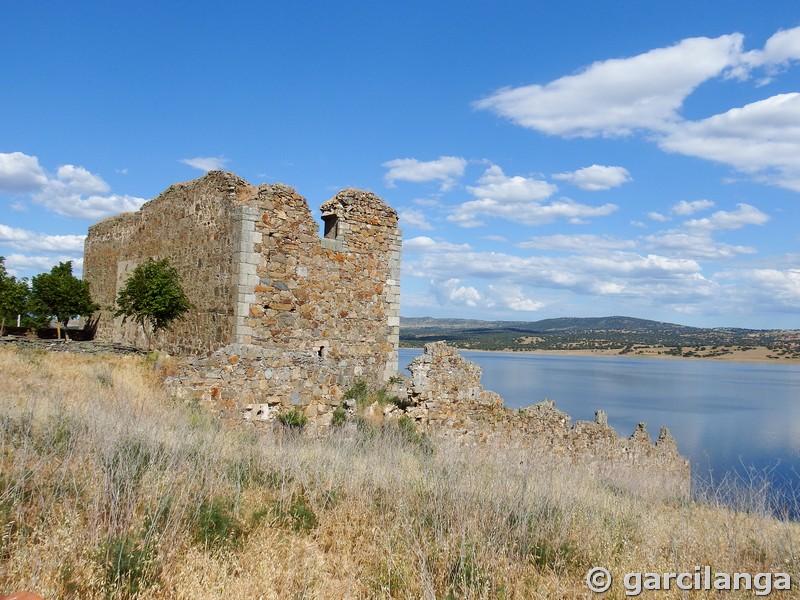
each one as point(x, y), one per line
point(446, 398)
point(194, 225)
point(297, 318)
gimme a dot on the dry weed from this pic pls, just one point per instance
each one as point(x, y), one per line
point(110, 489)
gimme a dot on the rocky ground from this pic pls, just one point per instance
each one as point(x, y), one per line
point(80, 347)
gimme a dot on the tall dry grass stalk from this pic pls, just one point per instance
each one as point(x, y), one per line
point(110, 489)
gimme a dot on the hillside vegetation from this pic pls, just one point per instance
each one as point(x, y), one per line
point(111, 489)
point(595, 333)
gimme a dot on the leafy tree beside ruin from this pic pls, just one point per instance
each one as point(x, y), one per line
point(153, 297)
point(13, 296)
point(60, 295)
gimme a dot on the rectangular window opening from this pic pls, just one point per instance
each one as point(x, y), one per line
point(331, 226)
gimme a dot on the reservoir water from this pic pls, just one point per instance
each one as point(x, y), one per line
point(725, 416)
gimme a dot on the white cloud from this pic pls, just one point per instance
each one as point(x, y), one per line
point(425, 244)
point(71, 179)
point(694, 244)
point(72, 192)
point(450, 292)
point(445, 169)
point(618, 96)
point(694, 238)
point(414, 218)
point(657, 216)
point(468, 214)
point(75, 204)
point(18, 264)
point(20, 173)
point(512, 297)
point(22, 239)
point(519, 199)
point(580, 243)
point(761, 139)
point(780, 49)
point(596, 177)
point(744, 214)
point(206, 163)
point(774, 288)
point(645, 93)
point(684, 208)
point(495, 185)
point(612, 273)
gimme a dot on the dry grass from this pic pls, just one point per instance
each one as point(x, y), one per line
point(109, 489)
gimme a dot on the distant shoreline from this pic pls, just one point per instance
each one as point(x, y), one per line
point(759, 354)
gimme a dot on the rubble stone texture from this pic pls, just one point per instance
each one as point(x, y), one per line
point(446, 398)
point(282, 317)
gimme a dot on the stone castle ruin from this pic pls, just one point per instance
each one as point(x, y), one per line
point(287, 319)
point(298, 316)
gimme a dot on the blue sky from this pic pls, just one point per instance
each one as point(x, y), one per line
point(547, 159)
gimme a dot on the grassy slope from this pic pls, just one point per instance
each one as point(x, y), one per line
point(110, 489)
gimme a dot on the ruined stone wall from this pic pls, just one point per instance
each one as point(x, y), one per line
point(299, 317)
point(196, 226)
point(446, 398)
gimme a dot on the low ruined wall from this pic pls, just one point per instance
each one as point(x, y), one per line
point(446, 399)
point(254, 383)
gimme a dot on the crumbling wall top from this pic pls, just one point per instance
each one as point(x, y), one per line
point(357, 205)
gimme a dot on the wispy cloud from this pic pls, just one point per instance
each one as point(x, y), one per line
point(596, 177)
point(414, 218)
point(424, 243)
point(28, 241)
point(520, 199)
point(26, 263)
point(744, 214)
point(206, 163)
point(585, 243)
point(445, 169)
point(761, 139)
point(684, 208)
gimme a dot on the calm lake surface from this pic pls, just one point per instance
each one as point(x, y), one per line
point(724, 415)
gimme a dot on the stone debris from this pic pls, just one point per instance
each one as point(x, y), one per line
point(78, 347)
point(446, 399)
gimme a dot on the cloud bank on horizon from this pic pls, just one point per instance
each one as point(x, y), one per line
point(659, 183)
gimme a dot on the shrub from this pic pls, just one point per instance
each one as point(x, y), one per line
point(339, 417)
point(300, 517)
point(130, 566)
point(294, 419)
point(358, 392)
point(216, 526)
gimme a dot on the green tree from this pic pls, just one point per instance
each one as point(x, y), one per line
point(61, 295)
point(153, 296)
point(13, 295)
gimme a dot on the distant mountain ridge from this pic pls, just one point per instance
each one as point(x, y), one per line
point(576, 333)
point(613, 323)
